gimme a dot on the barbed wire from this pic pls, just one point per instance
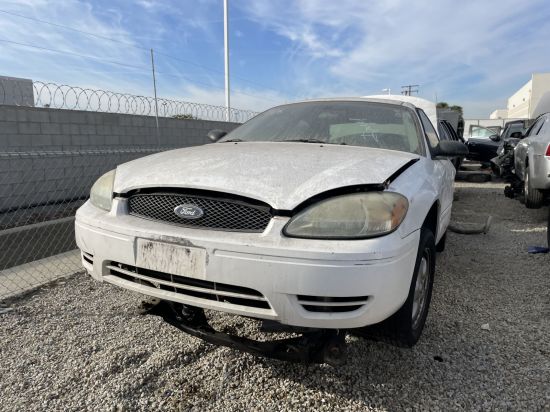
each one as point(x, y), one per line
point(23, 92)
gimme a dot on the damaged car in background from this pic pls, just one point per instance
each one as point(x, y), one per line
point(524, 160)
point(316, 217)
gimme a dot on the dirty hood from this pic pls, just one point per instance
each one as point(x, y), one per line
point(280, 174)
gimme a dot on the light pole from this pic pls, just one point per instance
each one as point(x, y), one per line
point(156, 101)
point(226, 60)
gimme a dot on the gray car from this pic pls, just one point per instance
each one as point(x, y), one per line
point(532, 157)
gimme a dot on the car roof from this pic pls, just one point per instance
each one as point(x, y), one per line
point(513, 122)
point(399, 100)
point(352, 99)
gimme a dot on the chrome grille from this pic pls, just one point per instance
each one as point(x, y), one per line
point(218, 213)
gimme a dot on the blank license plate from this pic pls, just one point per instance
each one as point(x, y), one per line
point(173, 259)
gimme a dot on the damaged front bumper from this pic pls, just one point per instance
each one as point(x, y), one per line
point(299, 282)
point(313, 346)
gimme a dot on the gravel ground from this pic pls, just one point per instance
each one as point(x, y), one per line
point(79, 345)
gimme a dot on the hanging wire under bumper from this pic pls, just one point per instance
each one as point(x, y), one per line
point(315, 346)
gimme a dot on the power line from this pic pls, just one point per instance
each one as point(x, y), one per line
point(409, 89)
point(142, 68)
point(73, 29)
point(70, 52)
point(135, 46)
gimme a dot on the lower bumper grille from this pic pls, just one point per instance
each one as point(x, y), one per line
point(88, 257)
point(202, 289)
point(329, 304)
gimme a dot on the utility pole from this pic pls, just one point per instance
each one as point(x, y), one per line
point(226, 59)
point(156, 101)
point(409, 89)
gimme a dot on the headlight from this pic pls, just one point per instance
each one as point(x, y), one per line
point(101, 194)
point(354, 216)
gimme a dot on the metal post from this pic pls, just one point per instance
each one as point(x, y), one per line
point(226, 59)
point(156, 101)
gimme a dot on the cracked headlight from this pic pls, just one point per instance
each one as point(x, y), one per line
point(101, 194)
point(353, 216)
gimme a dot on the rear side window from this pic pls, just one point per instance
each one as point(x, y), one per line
point(431, 135)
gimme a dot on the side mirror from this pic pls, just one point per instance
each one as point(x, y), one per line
point(516, 135)
point(450, 148)
point(495, 138)
point(216, 134)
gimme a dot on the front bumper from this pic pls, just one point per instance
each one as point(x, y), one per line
point(265, 275)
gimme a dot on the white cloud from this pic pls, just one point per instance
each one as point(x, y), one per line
point(458, 49)
point(470, 53)
point(41, 64)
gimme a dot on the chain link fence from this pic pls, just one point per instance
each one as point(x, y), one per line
point(40, 191)
point(22, 92)
point(39, 195)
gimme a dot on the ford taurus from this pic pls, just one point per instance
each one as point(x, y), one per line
point(323, 215)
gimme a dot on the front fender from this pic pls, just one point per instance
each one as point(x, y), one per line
point(418, 185)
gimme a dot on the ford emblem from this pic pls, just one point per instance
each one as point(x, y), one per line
point(188, 211)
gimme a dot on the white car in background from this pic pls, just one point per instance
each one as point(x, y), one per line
point(322, 214)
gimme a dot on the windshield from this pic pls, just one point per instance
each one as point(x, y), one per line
point(481, 132)
point(368, 124)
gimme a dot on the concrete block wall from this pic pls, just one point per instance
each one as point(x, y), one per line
point(30, 180)
point(33, 128)
point(54, 155)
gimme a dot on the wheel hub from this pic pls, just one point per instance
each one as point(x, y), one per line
point(421, 289)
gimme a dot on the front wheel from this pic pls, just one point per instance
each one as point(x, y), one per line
point(405, 326)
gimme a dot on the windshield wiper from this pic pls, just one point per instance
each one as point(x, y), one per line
point(305, 140)
point(232, 140)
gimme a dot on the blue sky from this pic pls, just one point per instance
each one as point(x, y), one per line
point(472, 53)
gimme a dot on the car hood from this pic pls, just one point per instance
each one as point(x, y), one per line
point(282, 175)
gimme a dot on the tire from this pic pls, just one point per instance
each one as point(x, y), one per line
point(440, 247)
point(533, 197)
point(404, 328)
point(548, 230)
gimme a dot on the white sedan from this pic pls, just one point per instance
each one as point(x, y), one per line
point(321, 214)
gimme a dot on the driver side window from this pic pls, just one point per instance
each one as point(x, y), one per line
point(431, 134)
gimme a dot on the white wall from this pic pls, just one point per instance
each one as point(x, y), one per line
point(16, 91)
point(523, 102)
point(541, 85)
point(518, 103)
